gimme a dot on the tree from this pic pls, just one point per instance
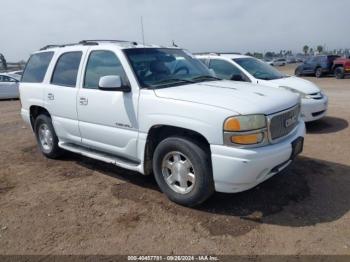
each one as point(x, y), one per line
point(311, 51)
point(319, 49)
point(3, 61)
point(306, 49)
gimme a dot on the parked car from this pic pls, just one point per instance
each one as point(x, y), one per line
point(341, 67)
point(314, 102)
point(16, 74)
point(159, 110)
point(316, 65)
point(278, 62)
point(8, 86)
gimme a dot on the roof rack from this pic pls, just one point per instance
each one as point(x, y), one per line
point(87, 42)
point(96, 42)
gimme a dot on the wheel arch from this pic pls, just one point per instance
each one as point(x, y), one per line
point(35, 111)
point(158, 133)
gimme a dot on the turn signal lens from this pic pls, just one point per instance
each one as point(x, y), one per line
point(248, 139)
point(232, 124)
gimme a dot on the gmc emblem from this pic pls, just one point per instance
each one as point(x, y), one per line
point(290, 121)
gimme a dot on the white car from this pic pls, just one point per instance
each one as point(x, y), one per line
point(314, 102)
point(277, 62)
point(8, 86)
point(158, 110)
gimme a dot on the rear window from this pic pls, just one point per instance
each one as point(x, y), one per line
point(36, 67)
point(66, 69)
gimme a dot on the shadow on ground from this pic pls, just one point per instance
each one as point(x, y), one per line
point(326, 125)
point(309, 192)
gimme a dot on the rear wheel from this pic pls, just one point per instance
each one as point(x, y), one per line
point(46, 137)
point(183, 171)
point(339, 72)
point(318, 72)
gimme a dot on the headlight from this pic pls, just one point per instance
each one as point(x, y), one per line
point(301, 94)
point(247, 130)
point(245, 123)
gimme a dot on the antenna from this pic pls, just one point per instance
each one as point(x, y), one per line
point(142, 32)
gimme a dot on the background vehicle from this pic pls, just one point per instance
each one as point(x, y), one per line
point(158, 110)
point(314, 103)
point(8, 86)
point(341, 67)
point(278, 62)
point(316, 65)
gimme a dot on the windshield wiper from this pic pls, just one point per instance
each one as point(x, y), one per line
point(205, 78)
point(171, 81)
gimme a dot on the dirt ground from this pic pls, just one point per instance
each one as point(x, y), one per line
point(80, 206)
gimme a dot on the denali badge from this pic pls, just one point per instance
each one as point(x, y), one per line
point(290, 121)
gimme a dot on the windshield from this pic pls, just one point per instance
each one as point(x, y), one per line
point(164, 67)
point(259, 69)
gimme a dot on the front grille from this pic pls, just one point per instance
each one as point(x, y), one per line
point(283, 123)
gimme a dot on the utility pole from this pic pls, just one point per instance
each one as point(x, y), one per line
point(142, 32)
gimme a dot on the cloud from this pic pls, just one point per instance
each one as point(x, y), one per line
point(206, 25)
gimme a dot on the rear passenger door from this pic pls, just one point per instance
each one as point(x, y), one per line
point(107, 119)
point(61, 94)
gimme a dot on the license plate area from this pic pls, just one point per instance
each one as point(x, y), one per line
point(297, 147)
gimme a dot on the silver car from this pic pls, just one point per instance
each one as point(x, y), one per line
point(9, 86)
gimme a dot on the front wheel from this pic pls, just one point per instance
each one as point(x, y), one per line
point(318, 72)
point(46, 137)
point(339, 73)
point(183, 171)
point(298, 71)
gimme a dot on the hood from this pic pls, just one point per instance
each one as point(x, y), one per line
point(239, 97)
point(297, 83)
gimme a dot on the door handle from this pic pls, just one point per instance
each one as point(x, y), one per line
point(83, 101)
point(50, 96)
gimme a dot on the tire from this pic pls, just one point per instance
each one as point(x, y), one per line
point(339, 73)
point(46, 137)
point(318, 72)
point(186, 157)
point(298, 71)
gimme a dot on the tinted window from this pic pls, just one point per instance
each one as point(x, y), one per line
point(259, 69)
point(165, 67)
point(226, 70)
point(66, 70)
point(102, 63)
point(36, 67)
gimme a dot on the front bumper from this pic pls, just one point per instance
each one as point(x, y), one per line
point(236, 169)
point(314, 109)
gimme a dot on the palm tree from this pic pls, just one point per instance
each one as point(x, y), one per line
point(319, 49)
point(306, 49)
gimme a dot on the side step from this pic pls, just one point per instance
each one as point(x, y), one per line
point(102, 156)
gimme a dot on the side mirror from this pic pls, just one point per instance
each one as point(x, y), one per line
point(237, 78)
point(212, 72)
point(112, 83)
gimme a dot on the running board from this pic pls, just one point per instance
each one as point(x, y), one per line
point(105, 157)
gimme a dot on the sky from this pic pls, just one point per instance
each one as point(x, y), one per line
point(197, 25)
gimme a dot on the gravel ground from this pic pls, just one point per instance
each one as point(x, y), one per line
point(80, 206)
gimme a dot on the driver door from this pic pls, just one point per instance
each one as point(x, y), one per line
point(107, 119)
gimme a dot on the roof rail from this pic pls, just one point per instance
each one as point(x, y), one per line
point(95, 42)
point(87, 42)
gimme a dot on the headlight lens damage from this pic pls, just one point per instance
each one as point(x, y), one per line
point(245, 130)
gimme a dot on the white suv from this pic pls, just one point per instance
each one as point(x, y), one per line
point(236, 67)
point(158, 110)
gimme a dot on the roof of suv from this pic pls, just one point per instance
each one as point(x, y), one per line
point(121, 44)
